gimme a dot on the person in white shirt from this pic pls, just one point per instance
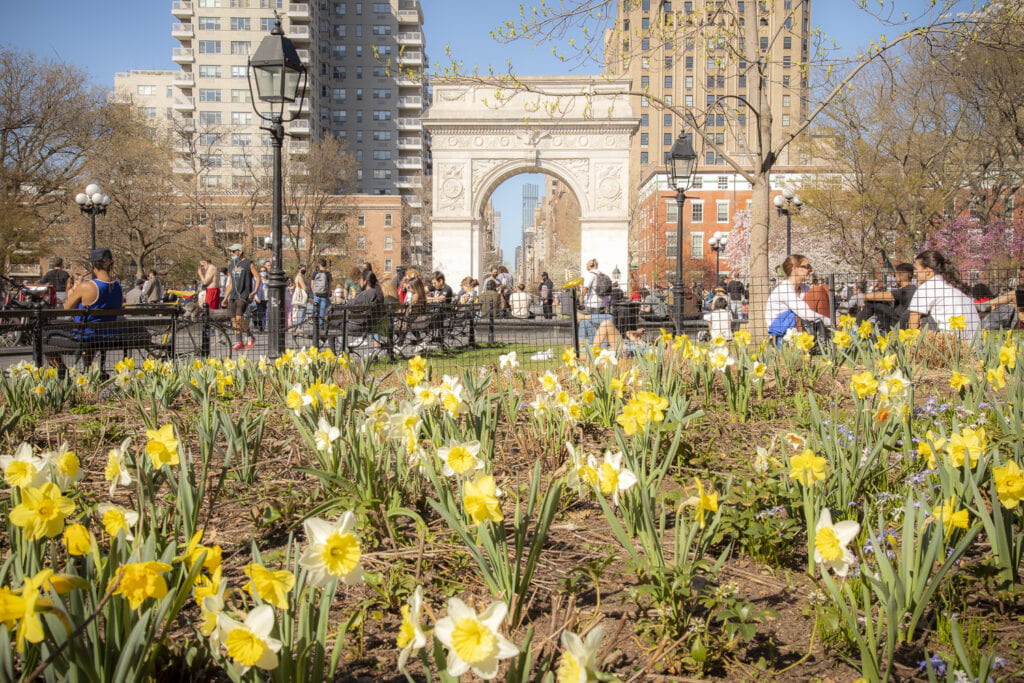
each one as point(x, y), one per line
point(941, 296)
point(720, 318)
point(593, 313)
point(786, 305)
point(520, 302)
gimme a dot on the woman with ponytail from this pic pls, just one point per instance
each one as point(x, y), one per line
point(941, 295)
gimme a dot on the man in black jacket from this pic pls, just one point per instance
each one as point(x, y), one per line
point(546, 293)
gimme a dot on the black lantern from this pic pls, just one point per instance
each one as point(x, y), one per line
point(683, 162)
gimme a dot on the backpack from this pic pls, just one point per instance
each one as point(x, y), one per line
point(602, 284)
point(321, 283)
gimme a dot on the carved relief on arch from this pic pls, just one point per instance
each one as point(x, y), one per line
point(451, 189)
point(609, 187)
point(483, 167)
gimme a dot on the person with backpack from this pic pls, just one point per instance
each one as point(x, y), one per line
point(593, 299)
point(546, 293)
point(321, 283)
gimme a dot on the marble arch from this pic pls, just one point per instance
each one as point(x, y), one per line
point(576, 129)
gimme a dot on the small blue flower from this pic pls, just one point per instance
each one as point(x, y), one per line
point(938, 665)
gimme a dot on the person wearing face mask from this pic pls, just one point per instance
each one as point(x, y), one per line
point(260, 317)
point(242, 277)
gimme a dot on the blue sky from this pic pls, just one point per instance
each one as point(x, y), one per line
point(81, 34)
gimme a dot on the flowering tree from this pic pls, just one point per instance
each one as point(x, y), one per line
point(974, 245)
point(820, 252)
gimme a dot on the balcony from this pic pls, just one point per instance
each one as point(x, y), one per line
point(298, 10)
point(298, 147)
point(183, 79)
point(416, 221)
point(181, 8)
point(414, 38)
point(185, 126)
point(409, 16)
point(182, 31)
point(411, 102)
point(300, 127)
point(406, 123)
point(183, 55)
point(406, 82)
point(300, 34)
point(410, 163)
point(413, 200)
point(185, 103)
point(409, 183)
point(414, 58)
point(304, 56)
point(293, 107)
point(410, 143)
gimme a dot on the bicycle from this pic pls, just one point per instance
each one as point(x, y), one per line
point(195, 336)
point(21, 297)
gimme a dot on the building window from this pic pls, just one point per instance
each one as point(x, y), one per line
point(240, 47)
point(671, 211)
point(785, 119)
point(696, 245)
point(643, 157)
point(361, 242)
point(209, 3)
point(723, 182)
point(209, 23)
point(763, 43)
point(668, 81)
point(388, 265)
point(146, 90)
point(722, 209)
point(209, 95)
point(381, 30)
point(266, 24)
point(381, 154)
point(644, 120)
point(670, 244)
point(241, 24)
point(381, 135)
point(689, 82)
point(689, 63)
point(361, 220)
point(667, 139)
point(241, 160)
point(209, 71)
point(148, 112)
point(382, 94)
point(644, 139)
point(698, 182)
point(389, 242)
point(787, 43)
point(786, 100)
point(209, 47)
point(388, 221)
point(645, 44)
point(688, 100)
point(239, 72)
point(241, 139)
point(207, 139)
point(697, 212)
point(209, 117)
point(241, 118)
point(381, 115)
point(381, 174)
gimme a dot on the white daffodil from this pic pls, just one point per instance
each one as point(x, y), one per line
point(210, 611)
point(65, 467)
point(325, 435)
point(605, 358)
point(718, 341)
point(582, 475)
point(23, 469)
point(116, 471)
point(460, 458)
point(831, 541)
point(410, 636)
point(333, 551)
point(541, 406)
point(425, 395)
point(249, 643)
point(508, 361)
point(473, 641)
point(297, 399)
point(579, 657)
point(894, 385)
point(612, 477)
point(720, 359)
point(549, 382)
point(116, 518)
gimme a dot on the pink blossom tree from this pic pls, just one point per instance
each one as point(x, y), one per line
point(974, 245)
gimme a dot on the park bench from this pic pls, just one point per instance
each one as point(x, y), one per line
point(146, 328)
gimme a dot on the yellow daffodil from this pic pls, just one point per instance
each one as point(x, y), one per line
point(865, 329)
point(1009, 481)
point(958, 381)
point(162, 447)
point(886, 363)
point(831, 543)
point(296, 399)
point(842, 339)
point(42, 511)
point(77, 540)
point(703, 502)
point(967, 443)
point(116, 519)
point(957, 323)
point(270, 586)
point(249, 643)
point(997, 377)
point(909, 337)
point(864, 384)
point(950, 517)
point(804, 341)
point(480, 498)
point(460, 458)
point(65, 467)
point(807, 468)
point(21, 612)
point(473, 641)
point(194, 552)
point(141, 580)
point(333, 552)
point(411, 637)
point(1008, 356)
point(742, 338)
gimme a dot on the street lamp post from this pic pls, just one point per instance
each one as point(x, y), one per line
point(92, 203)
point(718, 242)
point(684, 160)
point(279, 74)
point(787, 203)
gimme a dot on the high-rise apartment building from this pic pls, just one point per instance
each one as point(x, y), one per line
point(366, 84)
point(691, 54)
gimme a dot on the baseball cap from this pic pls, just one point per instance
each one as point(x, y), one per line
point(99, 254)
point(235, 247)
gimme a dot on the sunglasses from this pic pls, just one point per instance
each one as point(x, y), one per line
point(806, 266)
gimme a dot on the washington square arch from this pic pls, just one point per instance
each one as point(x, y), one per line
point(576, 129)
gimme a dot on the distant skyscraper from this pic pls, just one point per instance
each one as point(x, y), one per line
point(530, 196)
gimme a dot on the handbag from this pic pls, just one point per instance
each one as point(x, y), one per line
point(299, 297)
